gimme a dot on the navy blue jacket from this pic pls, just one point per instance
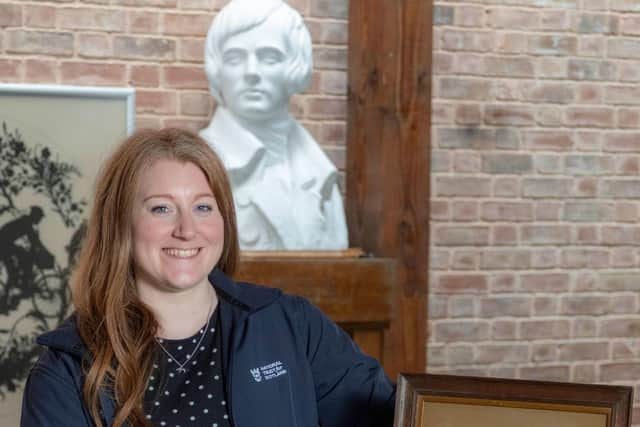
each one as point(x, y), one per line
point(286, 364)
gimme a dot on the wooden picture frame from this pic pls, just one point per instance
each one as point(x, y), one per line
point(459, 401)
point(53, 140)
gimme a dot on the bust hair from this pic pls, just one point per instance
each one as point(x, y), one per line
point(242, 15)
point(117, 328)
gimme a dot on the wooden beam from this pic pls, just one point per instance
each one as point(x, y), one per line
point(388, 158)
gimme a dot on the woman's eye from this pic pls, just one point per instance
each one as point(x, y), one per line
point(204, 208)
point(160, 209)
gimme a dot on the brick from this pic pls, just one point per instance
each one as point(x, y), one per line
point(334, 133)
point(598, 23)
point(466, 63)
point(628, 72)
point(203, 5)
point(545, 234)
point(333, 82)
point(630, 25)
point(503, 66)
point(460, 354)
point(544, 259)
point(623, 258)
point(552, 45)
point(620, 235)
point(327, 108)
point(588, 305)
point(549, 164)
point(507, 18)
point(552, 93)
point(86, 73)
point(544, 352)
point(93, 45)
point(515, 164)
point(501, 259)
point(589, 164)
point(191, 50)
point(37, 16)
point(590, 117)
point(506, 186)
point(470, 41)
point(549, 67)
point(439, 259)
point(544, 329)
point(549, 116)
point(181, 24)
point(623, 48)
point(112, 20)
point(586, 281)
point(507, 211)
point(465, 260)
point(158, 102)
point(594, 46)
point(546, 187)
point(185, 77)
point(468, 114)
point(461, 236)
point(149, 3)
point(619, 371)
point(442, 63)
point(545, 282)
point(572, 352)
point(545, 306)
point(504, 235)
point(616, 188)
point(41, 71)
point(10, 15)
point(509, 115)
point(144, 22)
point(337, 9)
point(502, 353)
point(460, 283)
point(462, 186)
point(333, 33)
point(194, 125)
point(554, 20)
point(622, 95)
point(150, 122)
point(195, 103)
point(588, 140)
point(502, 282)
point(129, 47)
point(461, 331)
point(584, 327)
point(144, 75)
point(505, 306)
point(333, 58)
point(48, 43)
point(435, 354)
point(628, 118)
point(443, 15)
point(470, 16)
point(511, 43)
point(586, 235)
point(625, 6)
point(589, 69)
point(545, 373)
point(588, 212)
point(503, 330)
point(466, 89)
point(586, 258)
point(440, 161)
point(11, 70)
point(548, 211)
point(548, 140)
point(589, 94)
point(464, 210)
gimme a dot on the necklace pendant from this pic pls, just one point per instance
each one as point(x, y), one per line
point(181, 370)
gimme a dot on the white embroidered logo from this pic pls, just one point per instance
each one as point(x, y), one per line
point(268, 372)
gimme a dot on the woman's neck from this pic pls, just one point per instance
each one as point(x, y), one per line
point(181, 315)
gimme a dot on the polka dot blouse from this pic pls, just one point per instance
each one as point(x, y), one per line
point(196, 396)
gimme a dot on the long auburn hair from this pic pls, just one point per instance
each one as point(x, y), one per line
point(117, 328)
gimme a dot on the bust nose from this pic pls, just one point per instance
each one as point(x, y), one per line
point(251, 74)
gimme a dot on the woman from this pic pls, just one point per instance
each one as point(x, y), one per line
point(163, 336)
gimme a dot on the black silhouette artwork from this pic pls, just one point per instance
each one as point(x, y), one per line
point(34, 293)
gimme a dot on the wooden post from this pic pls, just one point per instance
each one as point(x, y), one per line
point(388, 158)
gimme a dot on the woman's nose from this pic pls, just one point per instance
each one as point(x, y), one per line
point(185, 227)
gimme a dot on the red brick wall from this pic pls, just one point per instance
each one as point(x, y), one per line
point(156, 46)
point(535, 187)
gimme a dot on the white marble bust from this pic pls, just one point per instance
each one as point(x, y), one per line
point(258, 54)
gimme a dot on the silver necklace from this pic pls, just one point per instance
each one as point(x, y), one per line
point(181, 366)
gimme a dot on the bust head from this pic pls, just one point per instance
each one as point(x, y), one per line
point(257, 54)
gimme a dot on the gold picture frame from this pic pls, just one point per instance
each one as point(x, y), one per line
point(459, 401)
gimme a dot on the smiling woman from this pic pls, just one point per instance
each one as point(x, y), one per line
point(163, 336)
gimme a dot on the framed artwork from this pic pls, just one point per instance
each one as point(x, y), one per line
point(52, 142)
point(457, 401)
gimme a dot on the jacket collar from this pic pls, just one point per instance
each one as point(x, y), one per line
point(245, 296)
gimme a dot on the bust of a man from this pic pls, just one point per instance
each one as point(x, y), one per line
point(258, 54)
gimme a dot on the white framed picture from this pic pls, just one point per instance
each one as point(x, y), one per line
point(52, 142)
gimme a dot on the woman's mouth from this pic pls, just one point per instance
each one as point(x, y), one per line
point(181, 253)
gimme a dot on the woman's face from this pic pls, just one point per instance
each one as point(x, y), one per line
point(178, 231)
